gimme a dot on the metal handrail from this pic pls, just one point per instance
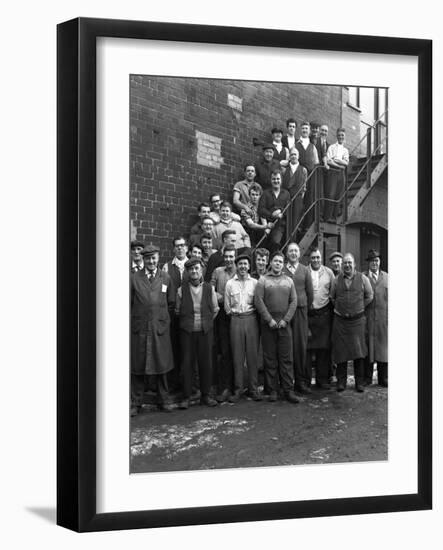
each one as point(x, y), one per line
point(373, 126)
point(331, 200)
point(287, 206)
point(314, 203)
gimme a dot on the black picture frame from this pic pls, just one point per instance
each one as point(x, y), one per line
point(76, 280)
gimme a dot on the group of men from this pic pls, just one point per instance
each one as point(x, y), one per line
point(277, 196)
point(228, 316)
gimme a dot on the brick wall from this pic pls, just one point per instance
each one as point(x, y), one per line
point(191, 137)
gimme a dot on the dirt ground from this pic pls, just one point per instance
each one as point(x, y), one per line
point(325, 427)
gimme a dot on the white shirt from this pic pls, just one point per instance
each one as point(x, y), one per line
point(305, 142)
point(179, 263)
point(337, 151)
point(239, 295)
point(321, 282)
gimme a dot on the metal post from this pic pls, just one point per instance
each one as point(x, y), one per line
point(368, 154)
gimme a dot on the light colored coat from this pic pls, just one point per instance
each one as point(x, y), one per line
point(377, 319)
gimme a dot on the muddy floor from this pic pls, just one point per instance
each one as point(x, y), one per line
point(325, 427)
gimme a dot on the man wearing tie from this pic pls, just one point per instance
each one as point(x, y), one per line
point(377, 319)
point(152, 300)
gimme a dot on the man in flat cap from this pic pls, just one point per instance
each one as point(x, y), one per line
point(351, 293)
point(239, 306)
point(196, 307)
point(336, 260)
point(152, 299)
point(377, 319)
point(136, 256)
point(265, 166)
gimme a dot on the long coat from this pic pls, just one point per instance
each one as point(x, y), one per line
point(377, 319)
point(152, 301)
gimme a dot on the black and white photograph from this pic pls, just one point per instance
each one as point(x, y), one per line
point(258, 272)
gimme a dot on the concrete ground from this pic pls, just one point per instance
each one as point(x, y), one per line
point(325, 427)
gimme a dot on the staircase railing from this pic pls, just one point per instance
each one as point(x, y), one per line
point(315, 204)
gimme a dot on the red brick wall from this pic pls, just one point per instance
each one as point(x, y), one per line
point(168, 179)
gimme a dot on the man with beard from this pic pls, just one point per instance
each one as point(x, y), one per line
point(196, 308)
point(377, 319)
point(239, 306)
point(351, 293)
point(299, 324)
point(319, 320)
point(152, 299)
point(276, 302)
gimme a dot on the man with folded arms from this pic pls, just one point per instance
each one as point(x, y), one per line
point(351, 293)
point(239, 306)
point(337, 158)
point(299, 324)
point(196, 307)
point(276, 302)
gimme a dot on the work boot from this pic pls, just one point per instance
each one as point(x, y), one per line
point(223, 396)
point(184, 404)
point(234, 398)
point(273, 396)
point(368, 373)
point(255, 395)
point(382, 374)
point(359, 375)
point(291, 397)
point(342, 376)
point(208, 401)
point(302, 387)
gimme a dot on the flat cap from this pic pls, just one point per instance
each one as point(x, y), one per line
point(335, 255)
point(276, 130)
point(243, 257)
point(150, 249)
point(267, 146)
point(372, 254)
point(192, 262)
point(137, 243)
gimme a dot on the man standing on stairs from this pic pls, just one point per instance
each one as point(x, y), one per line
point(337, 159)
point(351, 293)
point(377, 319)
